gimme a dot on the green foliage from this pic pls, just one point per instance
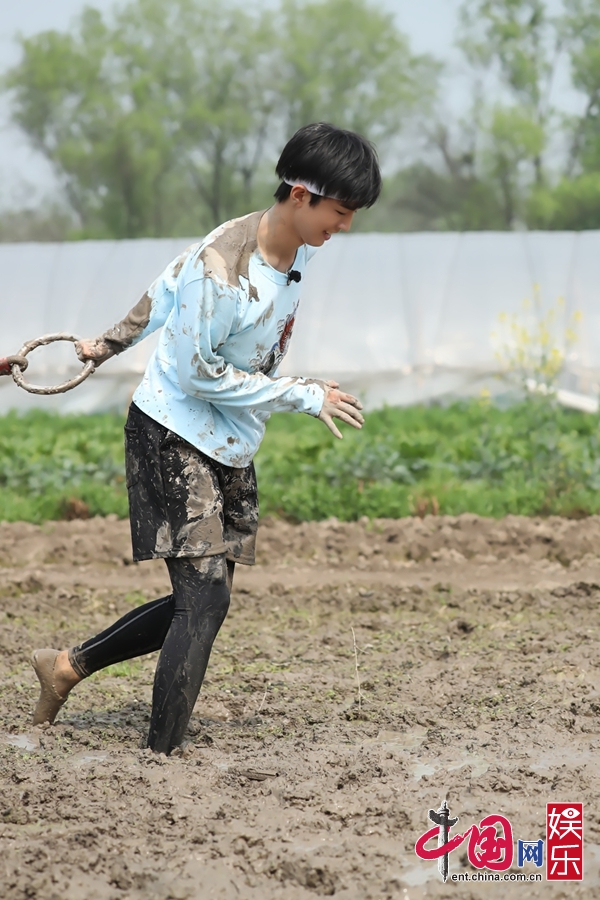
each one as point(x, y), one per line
point(143, 114)
point(517, 36)
point(162, 118)
point(512, 48)
point(514, 138)
point(165, 117)
point(421, 198)
point(344, 61)
point(582, 30)
point(533, 458)
point(492, 169)
point(47, 460)
point(572, 205)
point(491, 163)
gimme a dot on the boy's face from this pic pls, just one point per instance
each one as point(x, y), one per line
point(316, 224)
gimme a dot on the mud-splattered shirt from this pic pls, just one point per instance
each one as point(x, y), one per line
point(228, 317)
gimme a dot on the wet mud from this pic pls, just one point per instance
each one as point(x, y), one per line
point(478, 682)
point(227, 257)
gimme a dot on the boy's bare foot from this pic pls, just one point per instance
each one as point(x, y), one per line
point(56, 677)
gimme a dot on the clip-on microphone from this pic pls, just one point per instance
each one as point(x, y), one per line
point(293, 275)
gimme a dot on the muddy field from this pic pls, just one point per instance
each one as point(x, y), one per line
point(479, 670)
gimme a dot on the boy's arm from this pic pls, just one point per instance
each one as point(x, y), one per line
point(149, 313)
point(204, 323)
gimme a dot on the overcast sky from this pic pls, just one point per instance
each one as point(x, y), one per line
point(430, 24)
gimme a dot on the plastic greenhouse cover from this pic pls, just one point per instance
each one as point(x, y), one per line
point(396, 318)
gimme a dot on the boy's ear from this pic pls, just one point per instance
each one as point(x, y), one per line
point(299, 195)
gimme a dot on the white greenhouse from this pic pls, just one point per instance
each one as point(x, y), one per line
point(396, 318)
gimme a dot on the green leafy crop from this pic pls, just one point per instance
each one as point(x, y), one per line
point(533, 458)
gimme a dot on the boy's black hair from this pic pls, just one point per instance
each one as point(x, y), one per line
point(342, 164)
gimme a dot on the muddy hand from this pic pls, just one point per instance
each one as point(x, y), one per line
point(95, 349)
point(338, 405)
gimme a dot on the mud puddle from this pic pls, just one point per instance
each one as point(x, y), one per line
point(479, 667)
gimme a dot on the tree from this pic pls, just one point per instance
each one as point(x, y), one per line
point(512, 48)
point(571, 205)
point(344, 61)
point(140, 115)
point(422, 198)
point(162, 120)
point(582, 27)
point(574, 201)
point(213, 63)
point(522, 43)
point(105, 147)
point(512, 141)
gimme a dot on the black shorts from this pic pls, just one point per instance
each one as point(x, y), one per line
point(182, 503)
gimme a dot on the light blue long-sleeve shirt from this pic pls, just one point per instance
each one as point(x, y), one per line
point(227, 318)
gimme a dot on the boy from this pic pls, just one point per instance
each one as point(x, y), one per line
point(227, 306)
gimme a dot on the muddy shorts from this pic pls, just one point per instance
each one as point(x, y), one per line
point(183, 503)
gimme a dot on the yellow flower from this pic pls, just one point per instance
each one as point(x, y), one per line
point(535, 350)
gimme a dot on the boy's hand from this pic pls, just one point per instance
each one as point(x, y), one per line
point(342, 406)
point(95, 349)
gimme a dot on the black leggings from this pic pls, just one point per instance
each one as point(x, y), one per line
point(185, 625)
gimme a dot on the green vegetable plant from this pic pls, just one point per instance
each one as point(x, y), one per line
point(533, 458)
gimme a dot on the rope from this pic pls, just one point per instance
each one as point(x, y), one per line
point(16, 365)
